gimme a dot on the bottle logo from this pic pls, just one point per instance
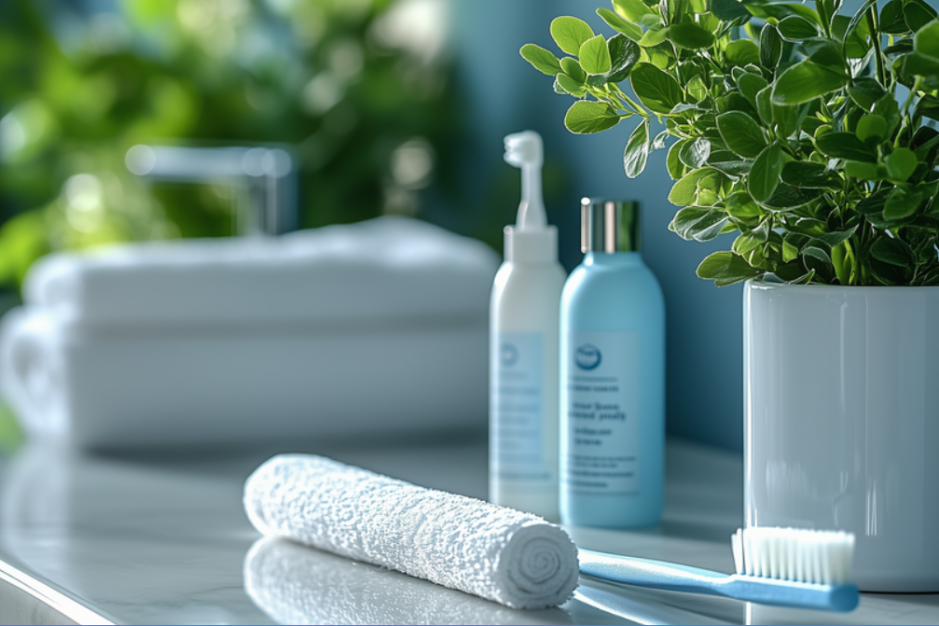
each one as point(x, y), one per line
point(508, 355)
point(587, 357)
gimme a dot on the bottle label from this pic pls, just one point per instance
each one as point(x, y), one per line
point(602, 412)
point(517, 408)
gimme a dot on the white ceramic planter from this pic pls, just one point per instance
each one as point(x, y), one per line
point(841, 411)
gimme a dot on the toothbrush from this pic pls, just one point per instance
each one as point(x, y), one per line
point(779, 566)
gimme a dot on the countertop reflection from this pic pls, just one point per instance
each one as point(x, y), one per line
point(149, 538)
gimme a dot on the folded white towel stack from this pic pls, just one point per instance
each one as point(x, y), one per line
point(374, 328)
point(514, 558)
point(383, 270)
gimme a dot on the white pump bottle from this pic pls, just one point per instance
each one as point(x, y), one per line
point(523, 349)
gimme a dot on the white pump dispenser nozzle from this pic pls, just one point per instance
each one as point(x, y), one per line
point(532, 240)
point(524, 150)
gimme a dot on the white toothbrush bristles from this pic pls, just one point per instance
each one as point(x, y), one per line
point(809, 556)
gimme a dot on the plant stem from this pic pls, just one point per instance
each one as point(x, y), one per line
point(875, 40)
point(606, 95)
point(637, 108)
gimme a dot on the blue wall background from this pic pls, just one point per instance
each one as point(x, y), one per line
point(503, 95)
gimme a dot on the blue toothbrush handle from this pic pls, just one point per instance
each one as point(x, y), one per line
point(675, 577)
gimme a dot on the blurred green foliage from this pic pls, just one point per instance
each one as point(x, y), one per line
point(358, 88)
point(11, 435)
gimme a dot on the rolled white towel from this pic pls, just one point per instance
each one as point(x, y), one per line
point(514, 558)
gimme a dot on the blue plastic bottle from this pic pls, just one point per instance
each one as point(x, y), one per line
point(612, 368)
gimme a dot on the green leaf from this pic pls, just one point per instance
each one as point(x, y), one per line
point(791, 246)
point(764, 107)
point(901, 203)
point(927, 106)
point(786, 197)
point(788, 118)
point(734, 101)
point(686, 218)
point(653, 37)
point(841, 145)
point(726, 268)
point(900, 164)
point(695, 153)
point(586, 117)
point(764, 177)
point(891, 18)
point(729, 10)
point(658, 142)
point(865, 92)
point(624, 54)
point(541, 59)
point(858, 28)
point(742, 52)
point(741, 133)
point(925, 143)
point(853, 33)
point(864, 171)
point(750, 85)
point(909, 66)
point(873, 204)
point(810, 175)
point(871, 126)
point(697, 89)
point(685, 192)
point(709, 21)
point(815, 258)
point(570, 33)
point(565, 84)
point(657, 90)
point(887, 274)
point(729, 163)
point(618, 24)
point(827, 9)
point(709, 227)
point(805, 81)
point(764, 8)
point(892, 251)
point(917, 14)
point(837, 237)
point(572, 68)
point(595, 56)
point(926, 40)
point(698, 223)
point(690, 36)
point(676, 169)
point(741, 206)
point(771, 47)
point(795, 28)
point(637, 12)
point(662, 56)
point(746, 242)
point(637, 150)
point(888, 109)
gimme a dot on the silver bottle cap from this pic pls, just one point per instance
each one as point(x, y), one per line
point(609, 226)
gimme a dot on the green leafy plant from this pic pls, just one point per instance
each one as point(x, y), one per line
point(808, 131)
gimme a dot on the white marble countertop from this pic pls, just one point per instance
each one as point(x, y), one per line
point(164, 539)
